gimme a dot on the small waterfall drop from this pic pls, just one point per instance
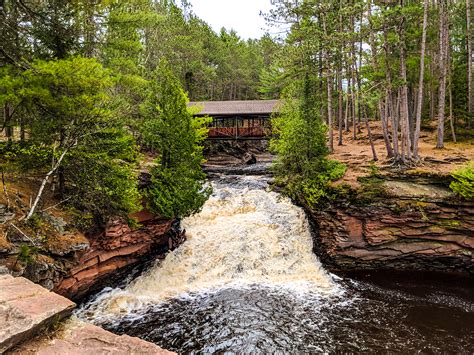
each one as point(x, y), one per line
point(247, 281)
point(244, 235)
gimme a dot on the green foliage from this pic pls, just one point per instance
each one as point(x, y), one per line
point(372, 188)
point(73, 113)
point(70, 98)
point(177, 188)
point(102, 176)
point(463, 183)
point(374, 170)
point(84, 221)
point(27, 254)
point(300, 142)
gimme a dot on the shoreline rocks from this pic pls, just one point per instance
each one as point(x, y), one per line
point(398, 232)
point(115, 251)
point(26, 308)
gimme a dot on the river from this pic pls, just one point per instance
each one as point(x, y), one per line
point(247, 281)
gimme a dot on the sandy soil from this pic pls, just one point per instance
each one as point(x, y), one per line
point(357, 154)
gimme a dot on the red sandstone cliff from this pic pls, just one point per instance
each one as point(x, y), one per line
point(117, 248)
point(399, 232)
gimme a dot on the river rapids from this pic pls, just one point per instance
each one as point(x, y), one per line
point(247, 281)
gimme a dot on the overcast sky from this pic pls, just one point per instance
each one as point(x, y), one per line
point(240, 15)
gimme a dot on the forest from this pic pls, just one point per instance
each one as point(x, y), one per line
point(88, 86)
point(339, 220)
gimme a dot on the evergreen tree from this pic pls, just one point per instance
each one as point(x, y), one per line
point(74, 125)
point(177, 188)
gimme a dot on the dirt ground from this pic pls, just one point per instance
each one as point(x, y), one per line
point(357, 154)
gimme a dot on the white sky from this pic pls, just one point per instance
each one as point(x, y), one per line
point(241, 15)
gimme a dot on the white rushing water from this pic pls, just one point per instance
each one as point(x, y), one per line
point(247, 281)
point(244, 235)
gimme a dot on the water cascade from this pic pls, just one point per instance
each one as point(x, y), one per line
point(247, 280)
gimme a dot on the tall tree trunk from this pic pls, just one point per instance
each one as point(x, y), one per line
point(340, 91)
point(369, 134)
point(469, 56)
point(43, 184)
point(354, 99)
point(383, 119)
point(327, 53)
point(340, 103)
point(419, 106)
point(404, 119)
point(329, 103)
point(450, 90)
point(348, 105)
point(443, 40)
point(389, 99)
point(7, 122)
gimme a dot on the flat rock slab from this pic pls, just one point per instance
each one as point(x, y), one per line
point(413, 189)
point(91, 340)
point(26, 308)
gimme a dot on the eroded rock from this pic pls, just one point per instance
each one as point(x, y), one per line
point(89, 339)
point(117, 249)
point(27, 308)
point(398, 233)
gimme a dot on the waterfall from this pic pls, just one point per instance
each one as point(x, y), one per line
point(245, 234)
point(247, 281)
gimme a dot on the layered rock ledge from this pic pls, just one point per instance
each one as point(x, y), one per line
point(414, 227)
point(26, 309)
point(87, 339)
point(115, 251)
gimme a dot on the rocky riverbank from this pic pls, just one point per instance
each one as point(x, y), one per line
point(51, 251)
point(408, 224)
point(114, 252)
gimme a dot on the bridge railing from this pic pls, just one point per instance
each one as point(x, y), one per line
point(238, 132)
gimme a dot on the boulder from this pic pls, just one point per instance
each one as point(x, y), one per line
point(26, 309)
point(249, 158)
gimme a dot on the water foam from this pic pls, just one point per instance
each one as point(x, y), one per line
point(244, 235)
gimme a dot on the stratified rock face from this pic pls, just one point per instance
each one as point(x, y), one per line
point(27, 308)
point(398, 233)
point(89, 339)
point(117, 248)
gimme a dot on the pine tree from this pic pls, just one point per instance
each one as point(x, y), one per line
point(177, 188)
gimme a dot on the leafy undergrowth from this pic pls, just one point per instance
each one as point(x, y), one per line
point(463, 184)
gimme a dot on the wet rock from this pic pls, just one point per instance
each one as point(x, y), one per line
point(249, 158)
point(26, 309)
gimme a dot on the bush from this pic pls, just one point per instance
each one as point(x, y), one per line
point(463, 184)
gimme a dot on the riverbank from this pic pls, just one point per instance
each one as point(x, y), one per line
point(386, 216)
point(51, 251)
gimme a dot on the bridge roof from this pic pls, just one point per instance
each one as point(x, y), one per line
point(248, 107)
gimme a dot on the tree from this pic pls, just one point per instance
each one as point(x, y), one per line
point(419, 107)
point(443, 49)
point(469, 56)
point(177, 188)
point(74, 125)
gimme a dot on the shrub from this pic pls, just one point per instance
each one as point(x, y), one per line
point(463, 184)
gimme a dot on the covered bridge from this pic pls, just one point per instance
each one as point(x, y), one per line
point(238, 119)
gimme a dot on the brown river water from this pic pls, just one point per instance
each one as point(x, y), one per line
point(247, 281)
